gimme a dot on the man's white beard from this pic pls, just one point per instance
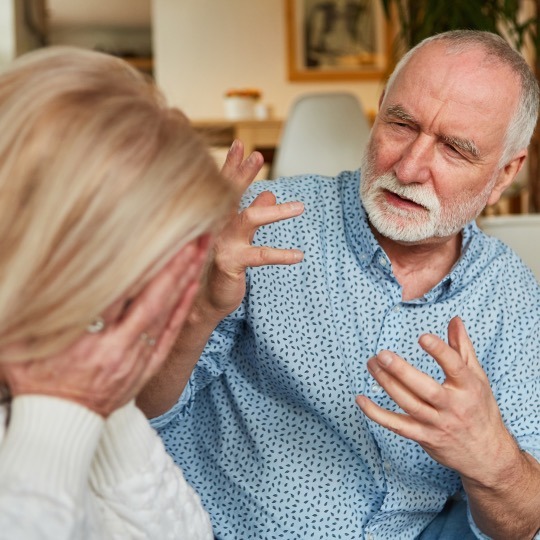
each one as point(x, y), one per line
point(415, 224)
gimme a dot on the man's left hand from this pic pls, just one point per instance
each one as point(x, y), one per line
point(458, 422)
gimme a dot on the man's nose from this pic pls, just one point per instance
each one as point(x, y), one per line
point(414, 165)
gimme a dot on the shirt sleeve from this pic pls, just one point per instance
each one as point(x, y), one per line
point(517, 395)
point(45, 459)
point(212, 363)
point(141, 493)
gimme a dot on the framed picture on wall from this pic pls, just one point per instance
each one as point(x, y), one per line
point(336, 40)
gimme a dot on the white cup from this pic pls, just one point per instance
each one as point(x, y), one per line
point(239, 108)
point(262, 111)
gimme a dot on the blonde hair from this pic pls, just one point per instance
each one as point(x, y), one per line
point(100, 184)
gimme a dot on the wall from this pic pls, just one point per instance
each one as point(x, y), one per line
point(7, 32)
point(203, 47)
point(16, 37)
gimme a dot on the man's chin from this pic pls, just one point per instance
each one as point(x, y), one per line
point(403, 227)
point(412, 233)
point(407, 237)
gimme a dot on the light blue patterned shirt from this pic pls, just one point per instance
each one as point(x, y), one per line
point(267, 430)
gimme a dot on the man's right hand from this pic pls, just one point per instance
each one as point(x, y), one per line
point(225, 283)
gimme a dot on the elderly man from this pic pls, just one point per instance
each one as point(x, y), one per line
point(267, 430)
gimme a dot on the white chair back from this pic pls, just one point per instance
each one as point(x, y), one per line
point(521, 232)
point(325, 133)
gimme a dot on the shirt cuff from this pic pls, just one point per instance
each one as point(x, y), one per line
point(49, 443)
point(176, 410)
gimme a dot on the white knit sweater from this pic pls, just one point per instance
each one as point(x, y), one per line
point(65, 473)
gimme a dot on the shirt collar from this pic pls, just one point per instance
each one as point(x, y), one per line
point(365, 246)
point(359, 235)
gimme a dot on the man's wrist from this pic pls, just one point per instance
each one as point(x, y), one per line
point(204, 316)
point(504, 469)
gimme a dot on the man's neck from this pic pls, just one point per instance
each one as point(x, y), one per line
point(419, 267)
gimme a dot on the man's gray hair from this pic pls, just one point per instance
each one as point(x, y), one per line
point(521, 127)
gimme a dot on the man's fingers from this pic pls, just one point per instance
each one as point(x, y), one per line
point(451, 362)
point(266, 198)
point(238, 171)
point(254, 217)
point(266, 256)
point(401, 424)
point(234, 158)
point(414, 391)
point(459, 340)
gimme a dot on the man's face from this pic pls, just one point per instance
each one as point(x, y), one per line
point(423, 216)
point(433, 157)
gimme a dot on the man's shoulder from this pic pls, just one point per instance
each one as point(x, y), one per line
point(308, 188)
point(496, 263)
point(329, 202)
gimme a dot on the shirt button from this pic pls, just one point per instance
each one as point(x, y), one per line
point(370, 536)
point(376, 388)
point(387, 466)
point(382, 260)
point(396, 309)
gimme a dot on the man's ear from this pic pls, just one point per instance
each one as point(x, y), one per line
point(506, 176)
point(381, 98)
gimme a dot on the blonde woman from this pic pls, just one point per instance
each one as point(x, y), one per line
point(107, 199)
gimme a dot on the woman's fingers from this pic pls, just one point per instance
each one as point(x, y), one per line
point(170, 333)
point(151, 310)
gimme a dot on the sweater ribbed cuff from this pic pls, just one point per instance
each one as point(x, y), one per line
point(50, 442)
point(125, 447)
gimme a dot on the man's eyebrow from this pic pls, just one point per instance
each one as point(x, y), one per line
point(397, 111)
point(465, 145)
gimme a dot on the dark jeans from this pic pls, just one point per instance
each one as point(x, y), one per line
point(450, 524)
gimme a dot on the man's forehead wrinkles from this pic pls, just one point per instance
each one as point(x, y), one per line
point(467, 145)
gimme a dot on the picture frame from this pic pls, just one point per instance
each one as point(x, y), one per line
point(337, 40)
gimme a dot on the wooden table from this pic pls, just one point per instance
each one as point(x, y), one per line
point(255, 134)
